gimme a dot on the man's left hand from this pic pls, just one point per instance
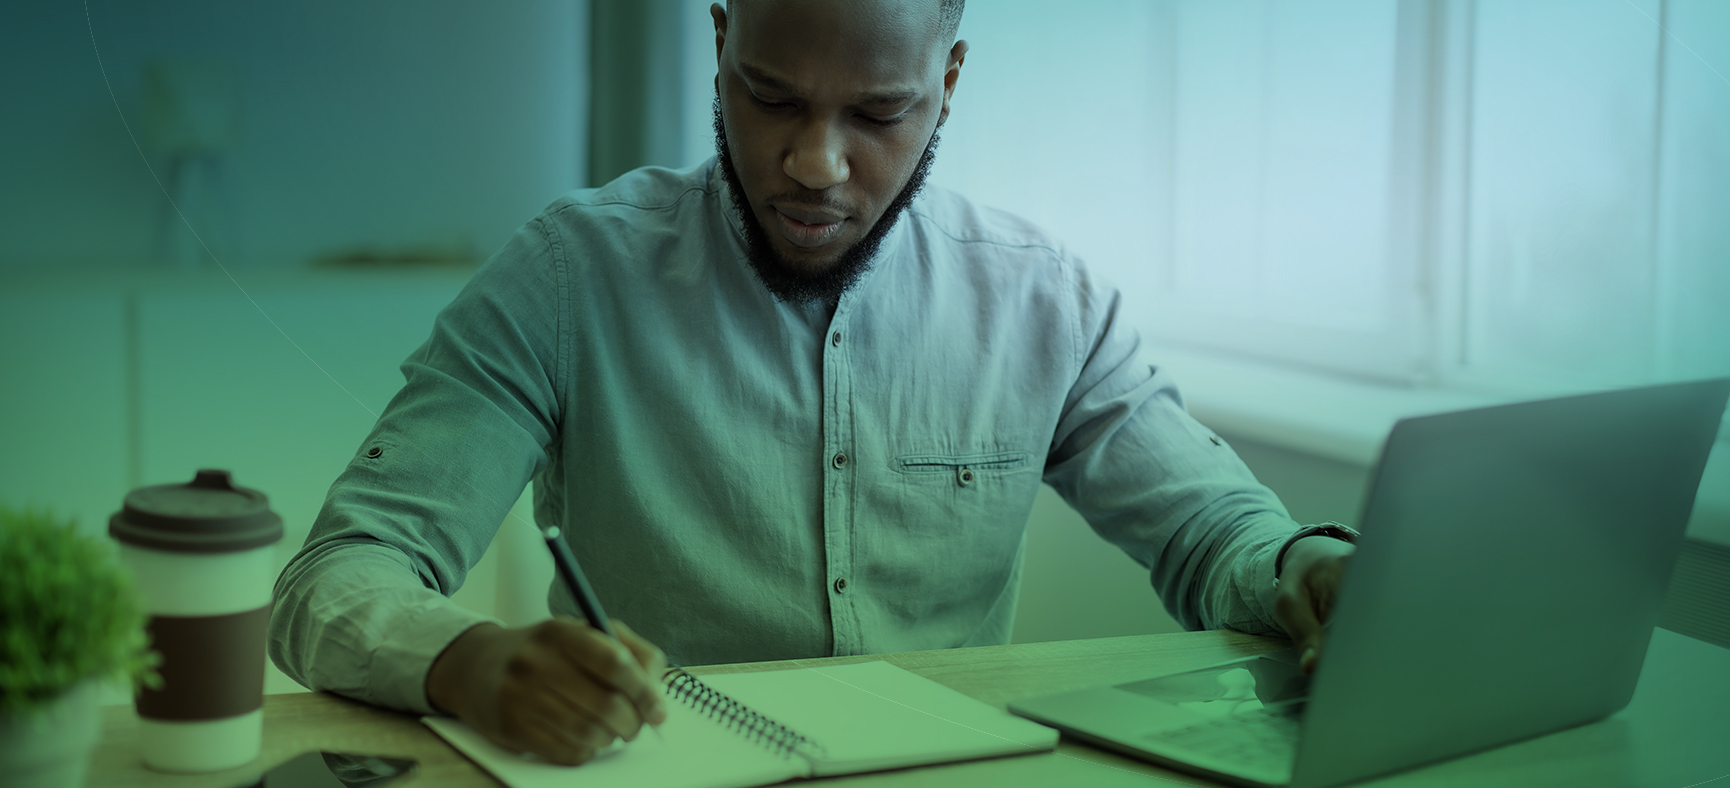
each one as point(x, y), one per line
point(1308, 579)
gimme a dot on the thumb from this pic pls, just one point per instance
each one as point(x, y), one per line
point(647, 654)
point(654, 663)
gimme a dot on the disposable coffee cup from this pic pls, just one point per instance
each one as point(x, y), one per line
point(202, 555)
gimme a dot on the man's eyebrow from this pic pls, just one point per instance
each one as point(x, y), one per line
point(761, 77)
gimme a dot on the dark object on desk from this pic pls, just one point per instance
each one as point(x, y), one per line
point(425, 256)
point(1512, 567)
point(334, 770)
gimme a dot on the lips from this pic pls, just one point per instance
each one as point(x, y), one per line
point(806, 227)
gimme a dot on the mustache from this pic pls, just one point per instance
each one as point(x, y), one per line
point(814, 200)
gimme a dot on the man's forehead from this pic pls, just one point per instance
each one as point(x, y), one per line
point(874, 46)
point(885, 93)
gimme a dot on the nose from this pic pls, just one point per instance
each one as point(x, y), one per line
point(817, 158)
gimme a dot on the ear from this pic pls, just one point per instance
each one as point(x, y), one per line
point(951, 73)
point(719, 13)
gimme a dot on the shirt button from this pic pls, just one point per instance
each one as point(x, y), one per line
point(964, 476)
point(839, 460)
point(840, 584)
point(835, 339)
point(374, 452)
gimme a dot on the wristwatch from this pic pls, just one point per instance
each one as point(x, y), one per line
point(1336, 530)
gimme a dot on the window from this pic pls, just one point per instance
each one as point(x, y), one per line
point(1596, 250)
point(1495, 195)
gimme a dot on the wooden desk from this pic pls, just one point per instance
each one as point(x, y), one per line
point(1675, 734)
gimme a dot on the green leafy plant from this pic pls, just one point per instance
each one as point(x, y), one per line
point(68, 612)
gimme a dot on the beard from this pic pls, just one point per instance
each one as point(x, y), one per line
point(784, 278)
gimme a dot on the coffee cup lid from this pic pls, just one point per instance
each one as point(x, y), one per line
point(207, 515)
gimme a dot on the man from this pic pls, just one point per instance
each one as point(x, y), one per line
point(780, 408)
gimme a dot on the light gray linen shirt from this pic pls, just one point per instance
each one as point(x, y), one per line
point(744, 479)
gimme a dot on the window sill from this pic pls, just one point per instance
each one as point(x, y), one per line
point(1347, 420)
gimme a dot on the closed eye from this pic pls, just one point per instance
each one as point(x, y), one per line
point(774, 106)
point(782, 106)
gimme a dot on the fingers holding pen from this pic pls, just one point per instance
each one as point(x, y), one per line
point(654, 663)
point(556, 689)
point(619, 689)
point(622, 662)
point(543, 698)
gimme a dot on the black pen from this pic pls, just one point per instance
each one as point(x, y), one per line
point(566, 563)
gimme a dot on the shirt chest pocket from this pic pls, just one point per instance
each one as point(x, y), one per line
point(967, 507)
point(963, 471)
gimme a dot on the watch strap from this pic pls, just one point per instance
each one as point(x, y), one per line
point(1338, 531)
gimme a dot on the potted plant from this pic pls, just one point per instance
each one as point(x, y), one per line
point(69, 620)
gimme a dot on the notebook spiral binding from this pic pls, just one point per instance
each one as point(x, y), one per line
point(736, 716)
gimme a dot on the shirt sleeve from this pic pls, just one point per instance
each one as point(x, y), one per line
point(1153, 481)
point(364, 608)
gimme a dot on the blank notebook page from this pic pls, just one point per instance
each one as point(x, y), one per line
point(873, 715)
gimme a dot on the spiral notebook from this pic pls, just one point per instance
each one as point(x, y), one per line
point(748, 729)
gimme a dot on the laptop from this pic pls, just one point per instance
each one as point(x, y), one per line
point(1511, 569)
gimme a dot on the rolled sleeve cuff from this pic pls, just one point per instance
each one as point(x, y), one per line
point(1265, 593)
point(419, 635)
point(1253, 580)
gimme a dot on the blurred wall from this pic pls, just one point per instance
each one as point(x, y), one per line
point(412, 133)
point(380, 124)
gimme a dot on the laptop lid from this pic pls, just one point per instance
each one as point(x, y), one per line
point(1512, 566)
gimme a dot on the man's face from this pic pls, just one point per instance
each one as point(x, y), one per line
point(827, 114)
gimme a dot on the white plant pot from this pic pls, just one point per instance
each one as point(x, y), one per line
point(49, 747)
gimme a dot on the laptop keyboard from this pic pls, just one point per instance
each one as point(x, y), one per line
point(1260, 740)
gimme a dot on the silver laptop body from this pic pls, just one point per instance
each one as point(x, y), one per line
point(1511, 569)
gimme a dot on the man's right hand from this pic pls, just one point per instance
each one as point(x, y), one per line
point(558, 689)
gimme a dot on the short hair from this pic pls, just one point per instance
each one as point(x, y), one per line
point(948, 16)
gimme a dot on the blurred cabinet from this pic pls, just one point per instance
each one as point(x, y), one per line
point(63, 401)
point(278, 385)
